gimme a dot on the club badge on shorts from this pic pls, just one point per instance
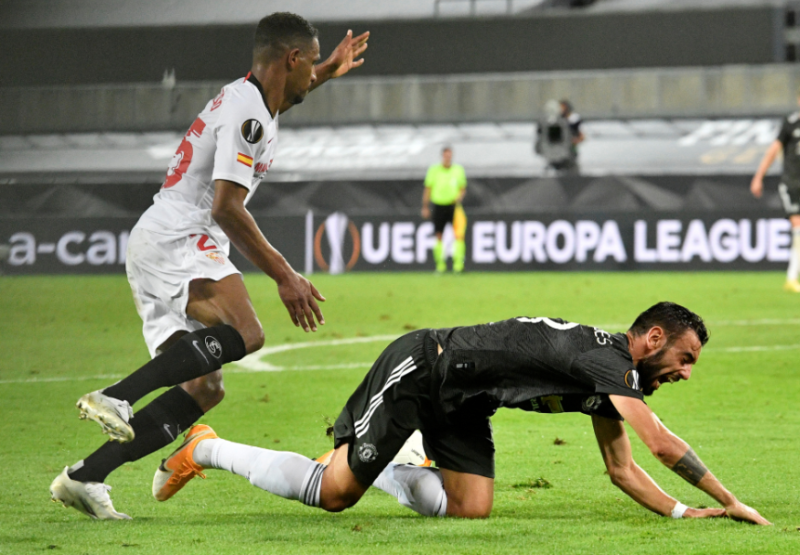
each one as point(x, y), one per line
point(216, 257)
point(367, 453)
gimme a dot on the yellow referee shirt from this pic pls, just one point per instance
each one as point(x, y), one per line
point(445, 183)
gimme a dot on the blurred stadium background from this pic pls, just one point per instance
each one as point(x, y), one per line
point(680, 99)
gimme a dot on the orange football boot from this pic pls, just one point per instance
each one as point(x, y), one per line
point(175, 471)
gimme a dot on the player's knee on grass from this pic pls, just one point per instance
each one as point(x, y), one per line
point(468, 495)
point(208, 391)
point(339, 489)
point(469, 508)
point(337, 502)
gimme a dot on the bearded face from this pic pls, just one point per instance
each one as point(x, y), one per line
point(649, 369)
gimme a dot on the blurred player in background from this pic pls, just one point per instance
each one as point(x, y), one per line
point(445, 187)
point(788, 142)
point(449, 382)
point(195, 308)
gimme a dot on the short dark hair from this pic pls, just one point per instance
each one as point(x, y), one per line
point(673, 318)
point(281, 31)
point(445, 148)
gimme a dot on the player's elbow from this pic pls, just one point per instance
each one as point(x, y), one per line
point(619, 475)
point(222, 214)
point(664, 451)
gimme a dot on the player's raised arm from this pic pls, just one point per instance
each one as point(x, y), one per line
point(630, 478)
point(678, 456)
point(297, 293)
point(343, 58)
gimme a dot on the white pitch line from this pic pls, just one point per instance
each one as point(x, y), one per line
point(65, 379)
point(252, 362)
point(299, 368)
point(326, 343)
point(753, 349)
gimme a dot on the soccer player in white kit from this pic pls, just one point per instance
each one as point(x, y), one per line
point(195, 309)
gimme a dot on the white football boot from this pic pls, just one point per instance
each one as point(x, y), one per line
point(90, 498)
point(112, 415)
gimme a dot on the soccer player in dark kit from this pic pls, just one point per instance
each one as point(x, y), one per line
point(449, 382)
point(788, 143)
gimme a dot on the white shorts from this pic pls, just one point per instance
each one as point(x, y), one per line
point(160, 268)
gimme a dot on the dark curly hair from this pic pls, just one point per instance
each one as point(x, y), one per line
point(673, 318)
point(281, 31)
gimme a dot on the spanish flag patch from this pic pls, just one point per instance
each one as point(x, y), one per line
point(244, 159)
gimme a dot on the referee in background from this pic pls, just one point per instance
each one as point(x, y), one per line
point(445, 187)
point(788, 142)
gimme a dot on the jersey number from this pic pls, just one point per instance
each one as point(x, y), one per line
point(183, 156)
point(203, 245)
point(555, 325)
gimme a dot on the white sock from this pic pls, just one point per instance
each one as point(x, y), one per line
point(418, 488)
point(289, 475)
point(794, 256)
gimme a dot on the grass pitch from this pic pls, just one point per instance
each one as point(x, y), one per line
point(64, 336)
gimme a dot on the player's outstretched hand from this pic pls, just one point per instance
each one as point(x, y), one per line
point(757, 186)
point(704, 513)
point(300, 298)
point(345, 56)
point(740, 511)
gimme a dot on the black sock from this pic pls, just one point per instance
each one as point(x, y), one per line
point(194, 355)
point(156, 425)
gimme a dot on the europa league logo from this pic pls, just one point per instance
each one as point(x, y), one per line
point(335, 228)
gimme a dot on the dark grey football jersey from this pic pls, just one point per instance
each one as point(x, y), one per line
point(789, 136)
point(537, 364)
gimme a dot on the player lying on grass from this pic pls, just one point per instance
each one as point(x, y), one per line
point(195, 309)
point(448, 382)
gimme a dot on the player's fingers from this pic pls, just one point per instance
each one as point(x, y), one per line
point(309, 317)
point(762, 521)
point(357, 63)
point(301, 317)
point(715, 513)
point(292, 314)
point(362, 37)
point(316, 293)
point(317, 312)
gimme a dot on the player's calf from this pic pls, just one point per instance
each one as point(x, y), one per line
point(194, 355)
point(282, 473)
point(208, 391)
point(253, 336)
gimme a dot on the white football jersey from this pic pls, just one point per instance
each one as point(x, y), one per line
point(234, 139)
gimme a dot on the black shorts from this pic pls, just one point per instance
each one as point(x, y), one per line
point(442, 214)
point(790, 197)
point(394, 400)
